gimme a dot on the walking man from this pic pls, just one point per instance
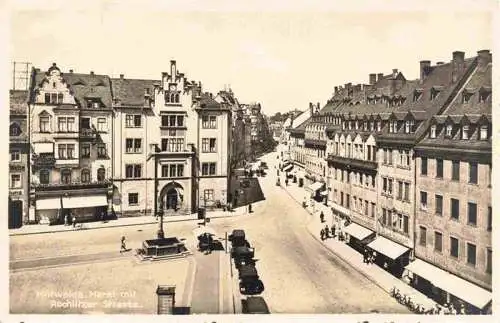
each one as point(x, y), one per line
point(333, 230)
point(327, 232)
point(74, 221)
point(123, 247)
point(322, 217)
point(322, 234)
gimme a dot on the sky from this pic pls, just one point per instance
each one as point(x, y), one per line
point(281, 56)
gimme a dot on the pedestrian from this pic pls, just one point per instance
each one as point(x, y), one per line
point(462, 309)
point(365, 256)
point(374, 255)
point(322, 217)
point(322, 234)
point(66, 219)
point(333, 230)
point(327, 232)
point(74, 221)
point(123, 247)
point(103, 216)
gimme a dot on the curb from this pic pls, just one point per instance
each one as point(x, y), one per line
point(336, 254)
point(122, 225)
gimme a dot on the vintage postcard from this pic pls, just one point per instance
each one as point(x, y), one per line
point(228, 158)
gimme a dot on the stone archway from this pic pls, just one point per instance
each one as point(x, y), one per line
point(172, 196)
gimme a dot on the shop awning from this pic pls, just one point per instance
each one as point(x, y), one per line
point(315, 186)
point(48, 204)
point(76, 202)
point(357, 231)
point(450, 283)
point(43, 147)
point(288, 168)
point(387, 247)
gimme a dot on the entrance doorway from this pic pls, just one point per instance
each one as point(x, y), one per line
point(15, 214)
point(172, 197)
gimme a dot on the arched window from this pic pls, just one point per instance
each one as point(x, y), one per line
point(167, 98)
point(66, 176)
point(101, 174)
point(85, 176)
point(172, 97)
point(44, 176)
point(177, 98)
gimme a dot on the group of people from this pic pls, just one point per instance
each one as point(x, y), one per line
point(449, 309)
point(369, 257)
point(69, 217)
point(327, 233)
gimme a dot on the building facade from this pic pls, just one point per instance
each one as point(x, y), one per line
point(18, 159)
point(70, 125)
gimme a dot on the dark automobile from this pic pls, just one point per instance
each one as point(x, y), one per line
point(242, 253)
point(242, 261)
point(205, 242)
point(254, 305)
point(237, 237)
point(248, 272)
point(251, 287)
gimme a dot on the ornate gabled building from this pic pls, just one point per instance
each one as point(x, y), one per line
point(18, 159)
point(70, 123)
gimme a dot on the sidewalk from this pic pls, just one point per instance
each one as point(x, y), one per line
point(121, 222)
point(377, 275)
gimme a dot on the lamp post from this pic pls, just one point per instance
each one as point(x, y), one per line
point(157, 211)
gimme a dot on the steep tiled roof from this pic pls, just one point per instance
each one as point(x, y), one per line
point(207, 102)
point(18, 102)
point(84, 86)
point(130, 92)
point(480, 80)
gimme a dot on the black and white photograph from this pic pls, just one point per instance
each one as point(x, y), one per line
point(236, 157)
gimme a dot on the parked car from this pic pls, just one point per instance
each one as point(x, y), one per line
point(242, 252)
point(243, 261)
point(236, 237)
point(254, 305)
point(251, 287)
point(248, 272)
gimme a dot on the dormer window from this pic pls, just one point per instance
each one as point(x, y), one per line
point(357, 124)
point(435, 92)
point(466, 97)
point(391, 127)
point(417, 94)
point(409, 126)
point(483, 133)
point(484, 95)
point(465, 132)
point(372, 125)
point(379, 126)
point(449, 128)
point(433, 131)
point(365, 126)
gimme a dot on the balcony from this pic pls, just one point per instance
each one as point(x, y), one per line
point(23, 138)
point(67, 162)
point(89, 134)
point(44, 161)
point(75, 184)
point(353, 163)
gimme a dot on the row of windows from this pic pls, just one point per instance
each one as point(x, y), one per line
point(133, 198)
point(67, 151)
point(471, 249)
point(209, 122)
point(403, 157)
point(357, 151)
point(455, 170)
point(172, 121)
point(395, 220)
point(208, 169)
point(355, 177)
point(455, 209)
point(133, 145)
point(172, 144)
point(67, 124)
point(466, 131)
point(66, 176)
point(172, 170)
point(54, 98)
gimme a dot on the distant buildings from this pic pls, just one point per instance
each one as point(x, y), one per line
point(407, 163)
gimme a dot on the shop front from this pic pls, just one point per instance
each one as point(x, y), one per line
point(85, 208)
point(358, 236)
point(445, 287)
point(315, 190)
point(390, 255)
point(48, 210)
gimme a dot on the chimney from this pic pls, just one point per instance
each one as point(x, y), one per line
point(311, 108)
point(458, 65)
point(336, 89)
point(71, 71)
point(373, 78)
point(394, 72)
point(458, 56)
point(122, 76)
point(425, 67)
point(483, 57)
point(91, 72)
point(380, 76)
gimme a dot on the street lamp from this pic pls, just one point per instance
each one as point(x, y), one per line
point(158, 212)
